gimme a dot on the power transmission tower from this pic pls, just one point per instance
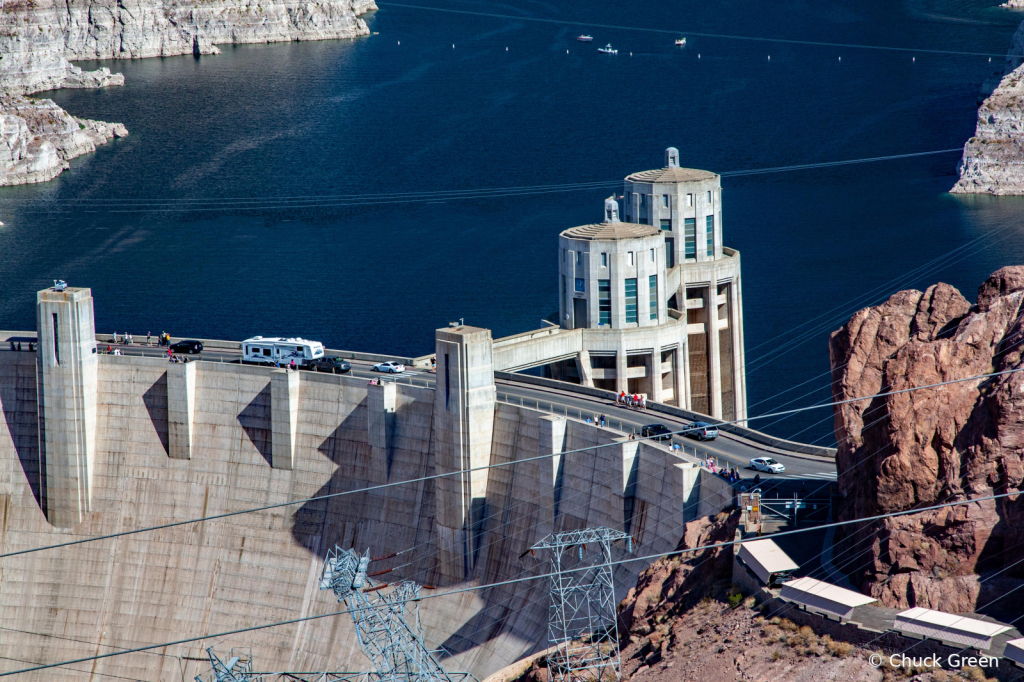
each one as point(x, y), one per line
point(237, 667)
point(393, 645)
point(582, 621)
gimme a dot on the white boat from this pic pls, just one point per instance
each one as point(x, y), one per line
point(608, 49)
point(680, 42)
point(585, 38)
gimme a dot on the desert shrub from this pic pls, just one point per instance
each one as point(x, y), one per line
point(788, 625)
point(837, 649)
point(734, 599)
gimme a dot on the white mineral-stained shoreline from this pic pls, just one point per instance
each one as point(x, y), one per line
point(993, 160)
point(42, 37)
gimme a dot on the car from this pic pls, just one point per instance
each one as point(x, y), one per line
point(392, 367)
point(334, 365)
point(766, 464)
point(702, 431)
point(187, 347)
point(658, 432)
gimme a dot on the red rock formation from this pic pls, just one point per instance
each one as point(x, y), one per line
point(949, 443)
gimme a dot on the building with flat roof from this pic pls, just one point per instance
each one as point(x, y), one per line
point(657, 295)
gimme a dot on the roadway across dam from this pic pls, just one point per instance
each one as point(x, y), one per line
point(93, 444)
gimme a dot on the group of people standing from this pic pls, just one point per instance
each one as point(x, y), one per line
point(637, 400)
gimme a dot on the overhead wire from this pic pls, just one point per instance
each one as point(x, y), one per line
point(474, 588)
point(702, 34)
point(279, 505)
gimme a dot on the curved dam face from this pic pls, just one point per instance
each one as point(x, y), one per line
point(94, 444)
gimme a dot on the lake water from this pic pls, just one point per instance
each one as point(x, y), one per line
point(274, 149)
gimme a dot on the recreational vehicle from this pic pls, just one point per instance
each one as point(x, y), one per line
point(261, 351)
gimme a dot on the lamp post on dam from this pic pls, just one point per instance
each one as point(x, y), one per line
point(657, 295)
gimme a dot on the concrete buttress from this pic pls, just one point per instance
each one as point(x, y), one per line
point(284, 417)
point(463, 429)
point(381, 401)
point(67, 378)
point(551, 441)
point(181, 408)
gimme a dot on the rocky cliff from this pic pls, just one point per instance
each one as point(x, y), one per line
point(917, 449)
point(37, 138)
point(40, 38)
point(993, 160)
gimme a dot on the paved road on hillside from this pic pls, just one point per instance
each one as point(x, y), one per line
point(808, 474)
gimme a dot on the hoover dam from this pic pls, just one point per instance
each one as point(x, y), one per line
point(94, 443)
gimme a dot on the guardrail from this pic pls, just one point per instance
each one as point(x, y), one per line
point(742, 432)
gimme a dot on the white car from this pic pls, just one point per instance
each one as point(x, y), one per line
point(392, 367)
point(766, 464)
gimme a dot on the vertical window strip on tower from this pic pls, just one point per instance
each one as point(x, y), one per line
point(711, 235)
point(653, 280)
point(604, 301)
point(631, 317)
point(690, 235)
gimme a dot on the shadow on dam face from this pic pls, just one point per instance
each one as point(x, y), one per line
point(255, 419)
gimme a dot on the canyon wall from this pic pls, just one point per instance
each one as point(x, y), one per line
point(993, 160)
point(40, 38)
point(200, 579)
point(922, 448)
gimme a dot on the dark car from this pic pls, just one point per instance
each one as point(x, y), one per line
point(329, 364)
point(187, 347)
point(658, 432)
point(702, 431)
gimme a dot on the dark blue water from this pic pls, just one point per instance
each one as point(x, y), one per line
point(331, 121)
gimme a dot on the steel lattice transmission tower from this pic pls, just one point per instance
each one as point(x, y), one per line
point(393, 645)
point(582, 622)
point(237, 667)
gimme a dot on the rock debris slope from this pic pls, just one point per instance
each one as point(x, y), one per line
point(993, 160)
point(40, 38)
point(922, 448)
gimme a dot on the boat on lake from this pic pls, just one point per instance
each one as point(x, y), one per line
point(585, 38)
point(680, 42)
point(608, 49)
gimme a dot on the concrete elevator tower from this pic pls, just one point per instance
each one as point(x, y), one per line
point(67, 375)
point(658, 295)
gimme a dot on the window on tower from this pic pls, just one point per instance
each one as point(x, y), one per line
point(710, 229)
point(690, 237)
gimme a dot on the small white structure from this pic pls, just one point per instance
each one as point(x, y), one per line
point(949, 627)
point(272, 350)
point(1015, 651)
point(824, 597)
point(766, 560)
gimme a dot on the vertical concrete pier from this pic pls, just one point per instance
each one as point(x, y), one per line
point(381, 401)
point(284, 417)
point(67, 366)
point(463, 426)
point(181, 409)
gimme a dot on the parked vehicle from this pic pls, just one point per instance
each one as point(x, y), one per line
point(187, 347)
point(261, 351)
point(658, 432)
point(391, 367)
point(702, 431)
point(330, 364)
point(766, 464)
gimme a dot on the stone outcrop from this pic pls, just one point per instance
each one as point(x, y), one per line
point(922, 448)
point(44, 35)
point(37, 138)
point(993, 160)
point(39, 38)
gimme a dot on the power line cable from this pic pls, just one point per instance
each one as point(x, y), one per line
point(475, 588)
point(382, 486)
point(787, 41)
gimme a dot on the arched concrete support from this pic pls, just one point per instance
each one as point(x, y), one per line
point(67, 375)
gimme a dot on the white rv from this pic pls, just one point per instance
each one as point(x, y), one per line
point(261, 351)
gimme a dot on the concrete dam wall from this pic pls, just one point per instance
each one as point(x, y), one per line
point(171, 442)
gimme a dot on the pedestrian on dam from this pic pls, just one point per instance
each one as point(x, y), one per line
point(149, 336)
point(131, 339)
point(602, 420)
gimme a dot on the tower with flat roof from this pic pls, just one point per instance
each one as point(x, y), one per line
point(658, 295)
